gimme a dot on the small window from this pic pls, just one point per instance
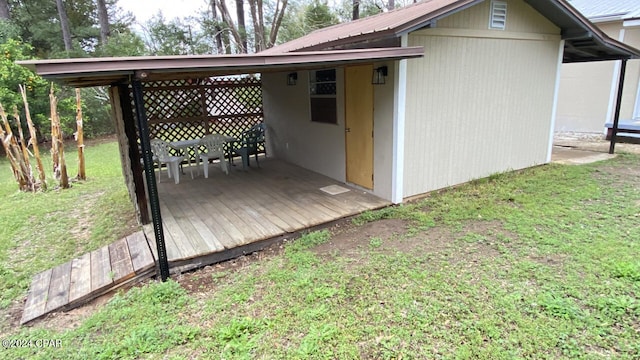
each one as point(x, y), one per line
point(498, 18)
point(322, 95)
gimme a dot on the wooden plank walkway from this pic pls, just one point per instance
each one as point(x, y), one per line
point(93, 274)
point(214, 219)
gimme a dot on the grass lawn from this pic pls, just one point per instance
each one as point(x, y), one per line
point(541, 263)
point(44, 229)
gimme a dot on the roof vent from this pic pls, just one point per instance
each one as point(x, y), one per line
point(498, 18)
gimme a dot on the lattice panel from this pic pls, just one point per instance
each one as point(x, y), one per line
point(193, 108)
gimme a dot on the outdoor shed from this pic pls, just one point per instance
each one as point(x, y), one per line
point(482, 100)
point(358, 116)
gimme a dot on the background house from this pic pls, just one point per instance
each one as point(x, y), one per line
point(482, 99)
point(588, 90)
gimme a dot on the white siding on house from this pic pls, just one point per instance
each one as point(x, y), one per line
point(476, 106)
point(584, 96)
point(631, 93)
point(588, 90)
point(383, 105)
point(292, 136)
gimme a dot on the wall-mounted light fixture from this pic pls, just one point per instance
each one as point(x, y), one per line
point(292, 78)
point(379, 75)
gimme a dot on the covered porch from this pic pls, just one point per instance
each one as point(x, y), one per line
point(211, 220)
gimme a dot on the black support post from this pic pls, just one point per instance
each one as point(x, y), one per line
point(152, 187)
point(616, 115)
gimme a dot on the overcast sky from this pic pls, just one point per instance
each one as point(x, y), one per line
point(145, 9)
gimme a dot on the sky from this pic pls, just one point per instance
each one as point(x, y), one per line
point(145, 9)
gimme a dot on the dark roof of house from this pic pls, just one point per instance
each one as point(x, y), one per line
point(84, 72)
point(583, 40)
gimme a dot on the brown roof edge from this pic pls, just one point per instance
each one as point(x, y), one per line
point(613, 44)
point(105, 71)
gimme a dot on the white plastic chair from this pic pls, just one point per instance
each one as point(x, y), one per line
point(214, 145)
point(160, 149)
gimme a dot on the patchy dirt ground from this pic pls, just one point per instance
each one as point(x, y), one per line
point(479, 239)
point(592, 142)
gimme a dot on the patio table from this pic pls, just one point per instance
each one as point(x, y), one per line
point(184, 145)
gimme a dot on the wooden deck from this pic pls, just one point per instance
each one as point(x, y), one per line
point(75, 282)
point(205, 221)
point(211, 220)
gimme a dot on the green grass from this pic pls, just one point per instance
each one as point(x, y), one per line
point(43, 229)
point(540, 263)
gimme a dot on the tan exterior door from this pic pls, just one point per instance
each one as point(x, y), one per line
point(359, 125)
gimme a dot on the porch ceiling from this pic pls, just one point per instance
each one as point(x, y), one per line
point(85, 72)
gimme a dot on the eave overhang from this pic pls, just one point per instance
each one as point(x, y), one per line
point(85, 72)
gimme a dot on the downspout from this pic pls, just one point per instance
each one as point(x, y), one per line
point(616, 115)
point(152, 187)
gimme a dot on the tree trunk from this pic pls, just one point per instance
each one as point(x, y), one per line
point(80, 137)
point(64, 22)
point(218, 29)
point(4, 10)
point(356, 10)
point(103, 17)
point(226, 18)
point(33, 139)
point(258, 24)
point(391, 5)
point(242, 29)
point(278, 14)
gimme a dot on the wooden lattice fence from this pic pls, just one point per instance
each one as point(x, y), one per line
point(191, 109)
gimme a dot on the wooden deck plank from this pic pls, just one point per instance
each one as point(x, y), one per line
point(121, 265)
point(179, 248)
point(277, 207)
point(232, 196)
point(59, 287)
point(201, 237)
point(289, 192)
point(235, 226)
point(275, 195)
point(141, 256)
point(37, 296)
point(100, 269)
point(151, 239)
point(80, 277)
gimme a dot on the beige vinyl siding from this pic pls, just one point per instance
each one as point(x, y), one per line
point(292, 136)
point(583, 97)
point(383, 134)
point(520, 18)
point(476, 106)
point(632, 77)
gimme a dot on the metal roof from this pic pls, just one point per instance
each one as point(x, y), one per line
point(583, 40)
point(596, 10)
point(83, 72)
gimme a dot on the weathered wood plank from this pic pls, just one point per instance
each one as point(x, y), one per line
point(141, 257)
point(59, 287)
point(80, 277)
point(101, 276)
point(151, 239)
point(121, 266)
point(179, 248)
point(37, 296)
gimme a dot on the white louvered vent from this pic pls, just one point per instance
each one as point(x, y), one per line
point(498, 18)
